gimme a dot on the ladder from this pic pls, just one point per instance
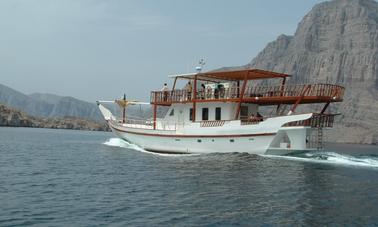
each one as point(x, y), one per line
point(320, 138)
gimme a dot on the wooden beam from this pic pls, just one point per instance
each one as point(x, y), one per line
point(194, 97)
point(124, 110)
point(155, 111)
point(241, 96)
point(282, 92)
point(299, 99)
point(174, 84)
point(325, 107)
point(283, 85)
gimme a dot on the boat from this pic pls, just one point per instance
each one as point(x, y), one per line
point(222, 111)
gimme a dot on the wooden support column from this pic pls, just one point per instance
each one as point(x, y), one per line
point(241, 97)
point(238, 89)
point(155, 109)
point(123, 115)
point(299, 99)
point(173, 94)
point(194, 97)
point(124, 109)
point(282, 93)
point(174, 84)
point(325, 108)
point(283, 86)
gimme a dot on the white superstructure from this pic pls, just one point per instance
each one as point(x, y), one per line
point(221, 112)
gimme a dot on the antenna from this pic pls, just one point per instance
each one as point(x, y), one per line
point(201, 64)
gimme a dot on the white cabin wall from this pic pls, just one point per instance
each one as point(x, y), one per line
point(227, 112)
point(182, 111)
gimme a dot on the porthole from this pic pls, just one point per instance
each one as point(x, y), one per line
point(177, 139)
point(199, 141)
point(232, 140)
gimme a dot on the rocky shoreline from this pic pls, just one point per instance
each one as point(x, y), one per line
point(11, 117)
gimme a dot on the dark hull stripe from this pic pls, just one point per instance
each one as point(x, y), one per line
point(165, 152)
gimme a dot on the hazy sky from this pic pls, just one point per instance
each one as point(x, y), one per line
point(99, 49)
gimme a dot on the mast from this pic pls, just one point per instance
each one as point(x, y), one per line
point(124, 109)
point(198, 69)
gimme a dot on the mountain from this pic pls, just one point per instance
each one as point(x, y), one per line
point(49, 105)
point(336, 42)
point(15, 118)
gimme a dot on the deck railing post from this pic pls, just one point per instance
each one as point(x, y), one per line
point(241, 96)
point(303, 93)
point(194, 99)
point(155, 112)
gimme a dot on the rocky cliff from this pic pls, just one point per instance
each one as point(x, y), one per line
point(15, 118)
point(336, 42)
point(49, 105)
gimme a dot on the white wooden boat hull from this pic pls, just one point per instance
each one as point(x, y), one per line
point(255, 144)
point(253, 139)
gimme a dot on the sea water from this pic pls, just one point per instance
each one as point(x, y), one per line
point(77, 178)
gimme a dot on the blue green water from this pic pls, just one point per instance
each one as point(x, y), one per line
point(76, 178)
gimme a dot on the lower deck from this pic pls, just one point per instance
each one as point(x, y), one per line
point(260, 138)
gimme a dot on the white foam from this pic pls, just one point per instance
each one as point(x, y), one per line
point(117, 142)
point(333, 158)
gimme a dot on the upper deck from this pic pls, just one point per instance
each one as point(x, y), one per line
point(239, 89)
point(261, 95)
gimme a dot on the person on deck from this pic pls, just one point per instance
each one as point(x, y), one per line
point(165, 92)
point(259, 117)
point(203, 91)
point(189, 89)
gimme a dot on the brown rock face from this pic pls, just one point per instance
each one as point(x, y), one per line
point(336, 42)
point(15, 118)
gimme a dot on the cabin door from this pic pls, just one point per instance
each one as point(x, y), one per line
point(180, 117)
point(243, 112)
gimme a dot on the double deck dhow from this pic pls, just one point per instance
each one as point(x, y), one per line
point(251, 110)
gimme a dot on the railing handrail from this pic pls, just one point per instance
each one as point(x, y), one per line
point(316, 121)
point(290, 90)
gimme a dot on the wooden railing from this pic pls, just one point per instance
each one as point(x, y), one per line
point(334, 92)
point(316, 121)
point(251, 120)
point(149, 123)
point(217, 123)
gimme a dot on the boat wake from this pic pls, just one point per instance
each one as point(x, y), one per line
point(117, 142)
point(314, 157)
point(333, 158)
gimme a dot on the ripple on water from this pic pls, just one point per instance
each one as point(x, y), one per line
point(65, 178)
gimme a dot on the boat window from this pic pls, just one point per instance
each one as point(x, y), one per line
point(218, 114)
point(191, 114)
point(172, 112)
point(205, 114)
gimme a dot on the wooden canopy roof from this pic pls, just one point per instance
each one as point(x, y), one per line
point(234, 75)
